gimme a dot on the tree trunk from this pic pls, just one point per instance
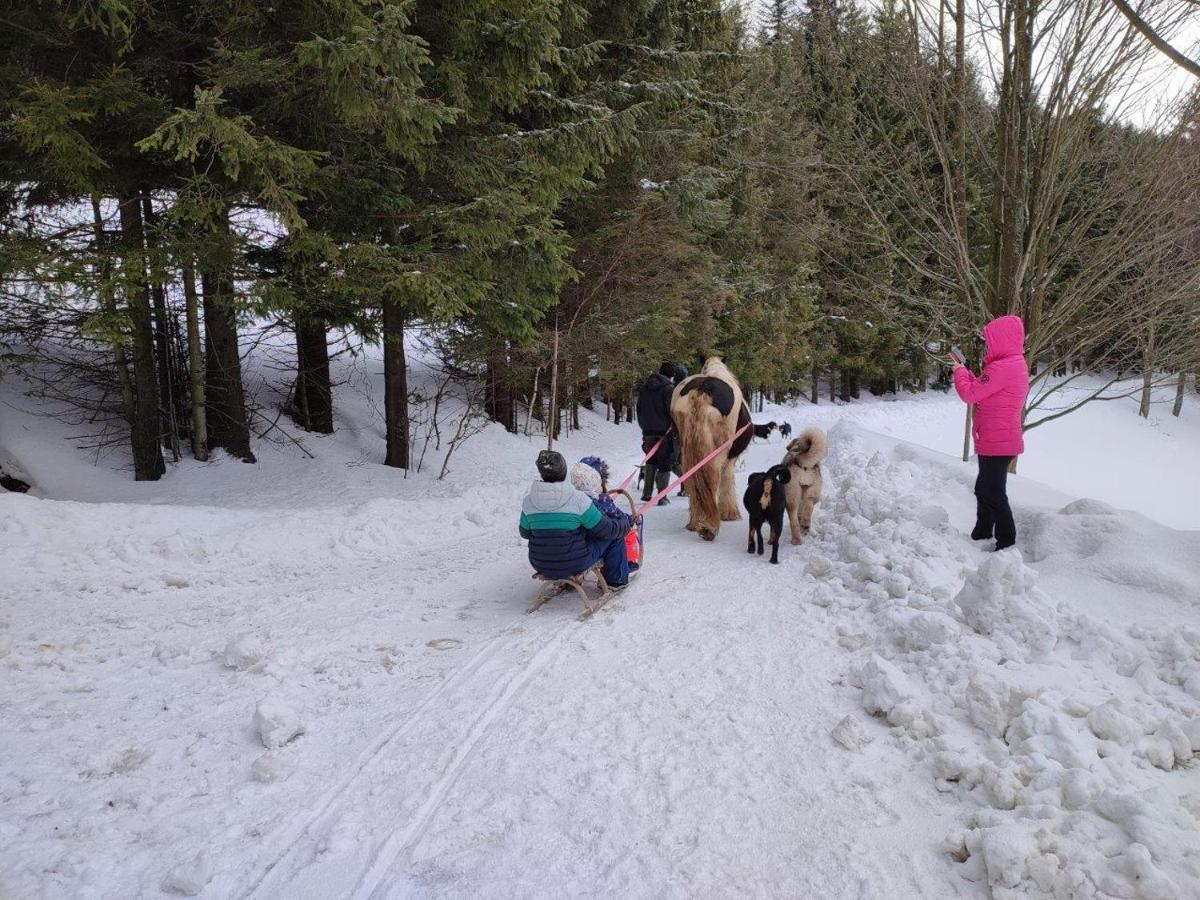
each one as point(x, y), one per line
point(967, 432)
point(1010, 204)
point(109, 303)
point(816, 386)
point(845, 387)
point(553, 429)
point(854, 393)
point(148, 463)
point(195, 364)
point(1180, 384)
point(228, 425)
point(833, 379)
point(314, 395)
point(499, 398)
point(395, 386)
point(167, 392)
point(1147, 372)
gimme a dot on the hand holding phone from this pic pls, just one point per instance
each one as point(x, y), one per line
point(957, 356)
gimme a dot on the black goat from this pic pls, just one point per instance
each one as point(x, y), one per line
point(766, 502)
point(764, 431)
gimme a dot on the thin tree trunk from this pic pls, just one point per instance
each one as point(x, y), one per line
point(148, 463)
point(1147, 373)
point(967, 432)
point(195, 364)
point(816, 386)
point(314, 392)
point(552, 431)
point(109, 304)
point(228, 424)
point(1180, 384)
point(395, 386)
point(162, 338)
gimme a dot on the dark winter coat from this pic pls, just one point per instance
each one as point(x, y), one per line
point(559, 521)
point(654, 405)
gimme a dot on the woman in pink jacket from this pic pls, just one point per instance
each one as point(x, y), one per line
point(999, 397)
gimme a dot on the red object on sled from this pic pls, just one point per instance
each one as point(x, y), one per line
point(633, 547)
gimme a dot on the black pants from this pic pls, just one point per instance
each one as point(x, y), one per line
point(993, 515)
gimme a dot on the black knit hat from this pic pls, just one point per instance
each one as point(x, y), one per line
point(552, 466)
point(667, 370)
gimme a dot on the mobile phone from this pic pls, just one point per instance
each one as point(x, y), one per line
point(958, 356)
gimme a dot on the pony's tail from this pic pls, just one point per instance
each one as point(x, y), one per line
point(704, 430)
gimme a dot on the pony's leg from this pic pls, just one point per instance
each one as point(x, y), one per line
point(727, 501)
point(708, 520)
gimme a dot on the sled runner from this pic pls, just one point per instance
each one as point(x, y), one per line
point(552, 587)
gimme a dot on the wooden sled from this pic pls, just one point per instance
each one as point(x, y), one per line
point(552, 587)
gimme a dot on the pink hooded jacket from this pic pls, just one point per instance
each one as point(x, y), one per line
point(999, 391)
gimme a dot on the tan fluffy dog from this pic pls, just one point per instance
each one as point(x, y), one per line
point(708, 409)
point(803, 459)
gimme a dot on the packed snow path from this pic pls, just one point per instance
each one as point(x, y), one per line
point(996, 730)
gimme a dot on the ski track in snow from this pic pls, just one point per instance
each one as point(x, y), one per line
point(1017, 726)
point(445, 709)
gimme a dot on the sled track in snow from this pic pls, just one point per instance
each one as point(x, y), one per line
point(372, 885)
point(501, 670)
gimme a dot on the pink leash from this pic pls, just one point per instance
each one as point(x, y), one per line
point(690, 472)
point(624, 484)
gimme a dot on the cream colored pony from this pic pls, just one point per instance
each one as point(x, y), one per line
point(708, 409)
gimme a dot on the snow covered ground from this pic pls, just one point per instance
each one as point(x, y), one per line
point(315, 678)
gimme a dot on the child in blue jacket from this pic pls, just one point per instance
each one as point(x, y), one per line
point(590, 475)
point(567, 532)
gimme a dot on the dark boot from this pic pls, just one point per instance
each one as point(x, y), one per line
point(661, 480)
point(648, 472)
point(984, 522)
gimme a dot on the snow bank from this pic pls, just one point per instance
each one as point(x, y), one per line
point(1056, 731)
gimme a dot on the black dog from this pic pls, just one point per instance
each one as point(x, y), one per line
point(764, 431)
point(785, 430)
point(766, 502)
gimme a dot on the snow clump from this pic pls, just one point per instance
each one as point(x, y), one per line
point(244, 652)
point(190, 878)
point(850, 734)
point(1000, 600)
point(276, 723)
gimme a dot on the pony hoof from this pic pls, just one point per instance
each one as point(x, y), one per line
point(707, 533)
point(731, 517)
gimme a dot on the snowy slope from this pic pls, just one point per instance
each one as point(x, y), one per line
point(1019, 724)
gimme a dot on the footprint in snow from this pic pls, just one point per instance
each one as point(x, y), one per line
point(444, 643)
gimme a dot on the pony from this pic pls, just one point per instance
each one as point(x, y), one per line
point(708, 409)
